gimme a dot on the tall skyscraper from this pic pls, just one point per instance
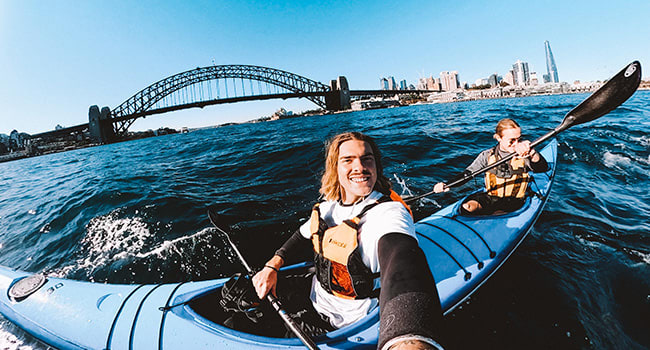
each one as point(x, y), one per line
point(551, 69)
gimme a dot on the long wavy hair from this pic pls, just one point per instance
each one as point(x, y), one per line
point(330, 187)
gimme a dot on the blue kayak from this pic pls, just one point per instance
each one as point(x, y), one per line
point(462, 251)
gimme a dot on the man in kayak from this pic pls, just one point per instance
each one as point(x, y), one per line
point(361, 228)
point(507, 183)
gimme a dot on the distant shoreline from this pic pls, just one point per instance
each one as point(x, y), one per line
point(63, 146)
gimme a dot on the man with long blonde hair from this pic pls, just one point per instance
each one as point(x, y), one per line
point(362, 228)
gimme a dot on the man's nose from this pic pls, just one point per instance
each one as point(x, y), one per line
point(357, 164)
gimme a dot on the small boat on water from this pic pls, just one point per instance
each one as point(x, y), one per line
point(462, 251)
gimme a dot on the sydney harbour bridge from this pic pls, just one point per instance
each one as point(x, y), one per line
point(213, 85)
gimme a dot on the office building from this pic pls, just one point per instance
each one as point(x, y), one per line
point(392, 85)
point(383, 84)
point(551, 69)
point(521, 73)
point(449, 81)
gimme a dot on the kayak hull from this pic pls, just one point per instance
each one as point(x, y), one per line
point(462, 252)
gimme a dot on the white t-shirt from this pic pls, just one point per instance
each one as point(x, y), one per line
point(388, 217)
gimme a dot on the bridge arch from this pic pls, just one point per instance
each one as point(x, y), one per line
point(147, 98)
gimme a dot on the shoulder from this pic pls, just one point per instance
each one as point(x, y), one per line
point(325, 209)
point(391, 208)
point(481, 160)
point(389, 217)
point(326, 206)
point(484, 155)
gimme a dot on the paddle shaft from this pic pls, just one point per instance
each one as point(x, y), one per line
point(273, 300)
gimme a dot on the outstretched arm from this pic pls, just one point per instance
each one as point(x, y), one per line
point(410, 312)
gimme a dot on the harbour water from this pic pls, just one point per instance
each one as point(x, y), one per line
point(135, 212)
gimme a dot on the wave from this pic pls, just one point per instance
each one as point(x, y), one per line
point(108, 238)
point(625, 163)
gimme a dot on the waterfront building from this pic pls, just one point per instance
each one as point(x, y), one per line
point(383, 84)
point(402, 85)
point(17, 140)
point(521, 73)
point(392, 85)
point(509, 78)
point(494, 80)
point(533, 79)
point(422, 84)
point(427, 84)
point(481, 81)
point(551, 68)
point(449, 80)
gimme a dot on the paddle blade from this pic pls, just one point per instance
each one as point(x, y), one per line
point(611, 95)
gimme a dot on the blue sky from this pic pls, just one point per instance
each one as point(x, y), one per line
point(59, 57)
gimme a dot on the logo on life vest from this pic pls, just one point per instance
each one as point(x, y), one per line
point(337, 243)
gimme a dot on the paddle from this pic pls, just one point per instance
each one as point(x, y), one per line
point(275, 302)
point(609, 96)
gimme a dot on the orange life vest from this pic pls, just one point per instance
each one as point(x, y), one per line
point(515, 185)
point(339, 267)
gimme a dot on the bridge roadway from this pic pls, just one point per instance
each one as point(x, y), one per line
point(201, 104)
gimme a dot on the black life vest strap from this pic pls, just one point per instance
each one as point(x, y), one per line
point(365, 209)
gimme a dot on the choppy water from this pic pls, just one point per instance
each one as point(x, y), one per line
point(135, 212)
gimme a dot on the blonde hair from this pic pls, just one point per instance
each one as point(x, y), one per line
point(504, 124)
point(330, 187)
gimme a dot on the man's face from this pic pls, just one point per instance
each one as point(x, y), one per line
point(357, 171)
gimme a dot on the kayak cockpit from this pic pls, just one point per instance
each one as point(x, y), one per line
point(207, 309)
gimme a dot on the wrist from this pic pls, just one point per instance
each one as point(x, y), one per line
point(272, 268)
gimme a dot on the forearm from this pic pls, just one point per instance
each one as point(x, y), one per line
point(538, 164)
point(276, 262)
point(291, 248)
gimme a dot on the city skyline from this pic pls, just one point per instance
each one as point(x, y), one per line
point(58, 59)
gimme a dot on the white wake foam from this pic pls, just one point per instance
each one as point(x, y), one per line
point(171, 245)
point(108, 239)
point(9, 341)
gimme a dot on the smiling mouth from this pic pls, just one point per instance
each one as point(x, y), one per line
point(359, 179)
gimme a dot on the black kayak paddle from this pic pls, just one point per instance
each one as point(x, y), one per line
point(609, 96)
point(275, 302)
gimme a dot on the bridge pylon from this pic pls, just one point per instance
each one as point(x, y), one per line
point(100, 125)
point(338, 98)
